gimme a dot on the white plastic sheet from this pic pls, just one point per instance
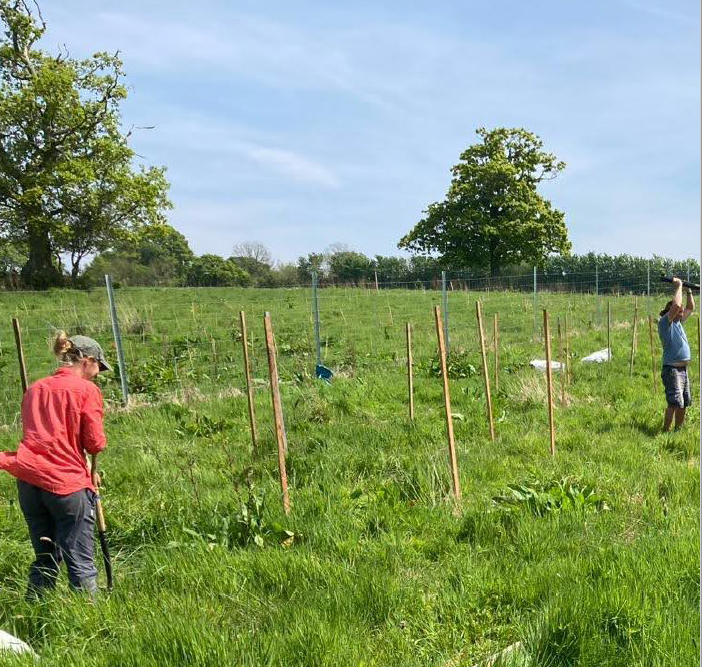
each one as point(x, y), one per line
point(10, 643)
point(540, 365)
point(597, 357)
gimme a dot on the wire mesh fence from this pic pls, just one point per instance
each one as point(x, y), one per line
point(185, 343)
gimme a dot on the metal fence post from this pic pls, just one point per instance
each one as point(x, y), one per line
point(597, 281)
point(648, 278)
point(446, 315)
point(597, 293)
point(118, 341)
point(535, 301)
point(20, 354)
point(315, 306)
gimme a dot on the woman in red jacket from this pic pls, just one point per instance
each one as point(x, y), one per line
point(62, 423)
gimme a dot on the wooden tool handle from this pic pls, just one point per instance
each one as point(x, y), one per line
point(100, 516)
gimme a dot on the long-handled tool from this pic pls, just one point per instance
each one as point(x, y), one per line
point(103, 542)
point(665, 279)
point(102, 529)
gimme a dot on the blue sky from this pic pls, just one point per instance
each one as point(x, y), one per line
point(310, 123)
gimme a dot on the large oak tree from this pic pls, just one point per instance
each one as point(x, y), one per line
point(493, 214)
point(67, 180)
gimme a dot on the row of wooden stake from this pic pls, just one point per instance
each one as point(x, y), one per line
point(279, 422)
point(565, 373)
point(274, 385)
point(453, 459)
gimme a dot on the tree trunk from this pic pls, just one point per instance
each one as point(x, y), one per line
point(39, 272)
point(75, 270)
point(495, 264)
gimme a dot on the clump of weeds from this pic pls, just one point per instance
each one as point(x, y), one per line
point(543, 498)
point(240, 525)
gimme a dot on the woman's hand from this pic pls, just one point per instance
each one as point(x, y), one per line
point(94, 474)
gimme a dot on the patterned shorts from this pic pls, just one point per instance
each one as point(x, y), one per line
point(677, 387)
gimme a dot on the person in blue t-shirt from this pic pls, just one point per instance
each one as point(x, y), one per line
point(676, 356)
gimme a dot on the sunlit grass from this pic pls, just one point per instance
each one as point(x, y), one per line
point(381, 570)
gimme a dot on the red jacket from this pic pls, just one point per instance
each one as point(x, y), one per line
point(61, 421)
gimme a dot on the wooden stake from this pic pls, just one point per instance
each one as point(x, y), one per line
point(636, 316)
point(633, 339)
point(447, 405)
point(486, 372)
point(561, 352)
point(410, 381)
point(496, 349)
point(20, 354)
point(249, 384)
point(376, 280)
point(653, 352)
point(549, 384)
point(277, 411)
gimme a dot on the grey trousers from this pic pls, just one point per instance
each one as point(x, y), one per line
point(60, 528)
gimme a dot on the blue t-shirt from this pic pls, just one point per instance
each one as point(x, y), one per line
point(675, 345)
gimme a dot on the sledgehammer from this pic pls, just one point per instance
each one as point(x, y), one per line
point(665, 279)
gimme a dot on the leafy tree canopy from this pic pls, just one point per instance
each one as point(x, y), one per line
point(314, 261)
point(260, 272)
point(493, 214)
point(124, 268)
point(349, 267)
point(160, 243)
point(215, 271)
point(154, 255)
point(390, 269)
point(255, 258)
point(67, 180)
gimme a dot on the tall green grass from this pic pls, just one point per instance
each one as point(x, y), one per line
point(376, 566)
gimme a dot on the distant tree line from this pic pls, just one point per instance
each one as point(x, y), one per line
point(580, 273)
point(160, 256)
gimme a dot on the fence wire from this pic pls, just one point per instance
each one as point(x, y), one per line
point(181, 343)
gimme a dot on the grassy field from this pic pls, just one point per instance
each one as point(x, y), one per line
point(588, 558)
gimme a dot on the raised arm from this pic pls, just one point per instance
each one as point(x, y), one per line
point(689, 306)
point(677, 300)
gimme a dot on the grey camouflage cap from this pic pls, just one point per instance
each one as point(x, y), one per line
point(90, 348)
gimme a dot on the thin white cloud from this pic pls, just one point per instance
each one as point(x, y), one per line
point(295, 166)
point(284, 104)
point(240, 45)
point(229, 148)
point(665, 12)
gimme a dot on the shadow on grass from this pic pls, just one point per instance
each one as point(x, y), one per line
point(637, 423)
point(647, 428)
